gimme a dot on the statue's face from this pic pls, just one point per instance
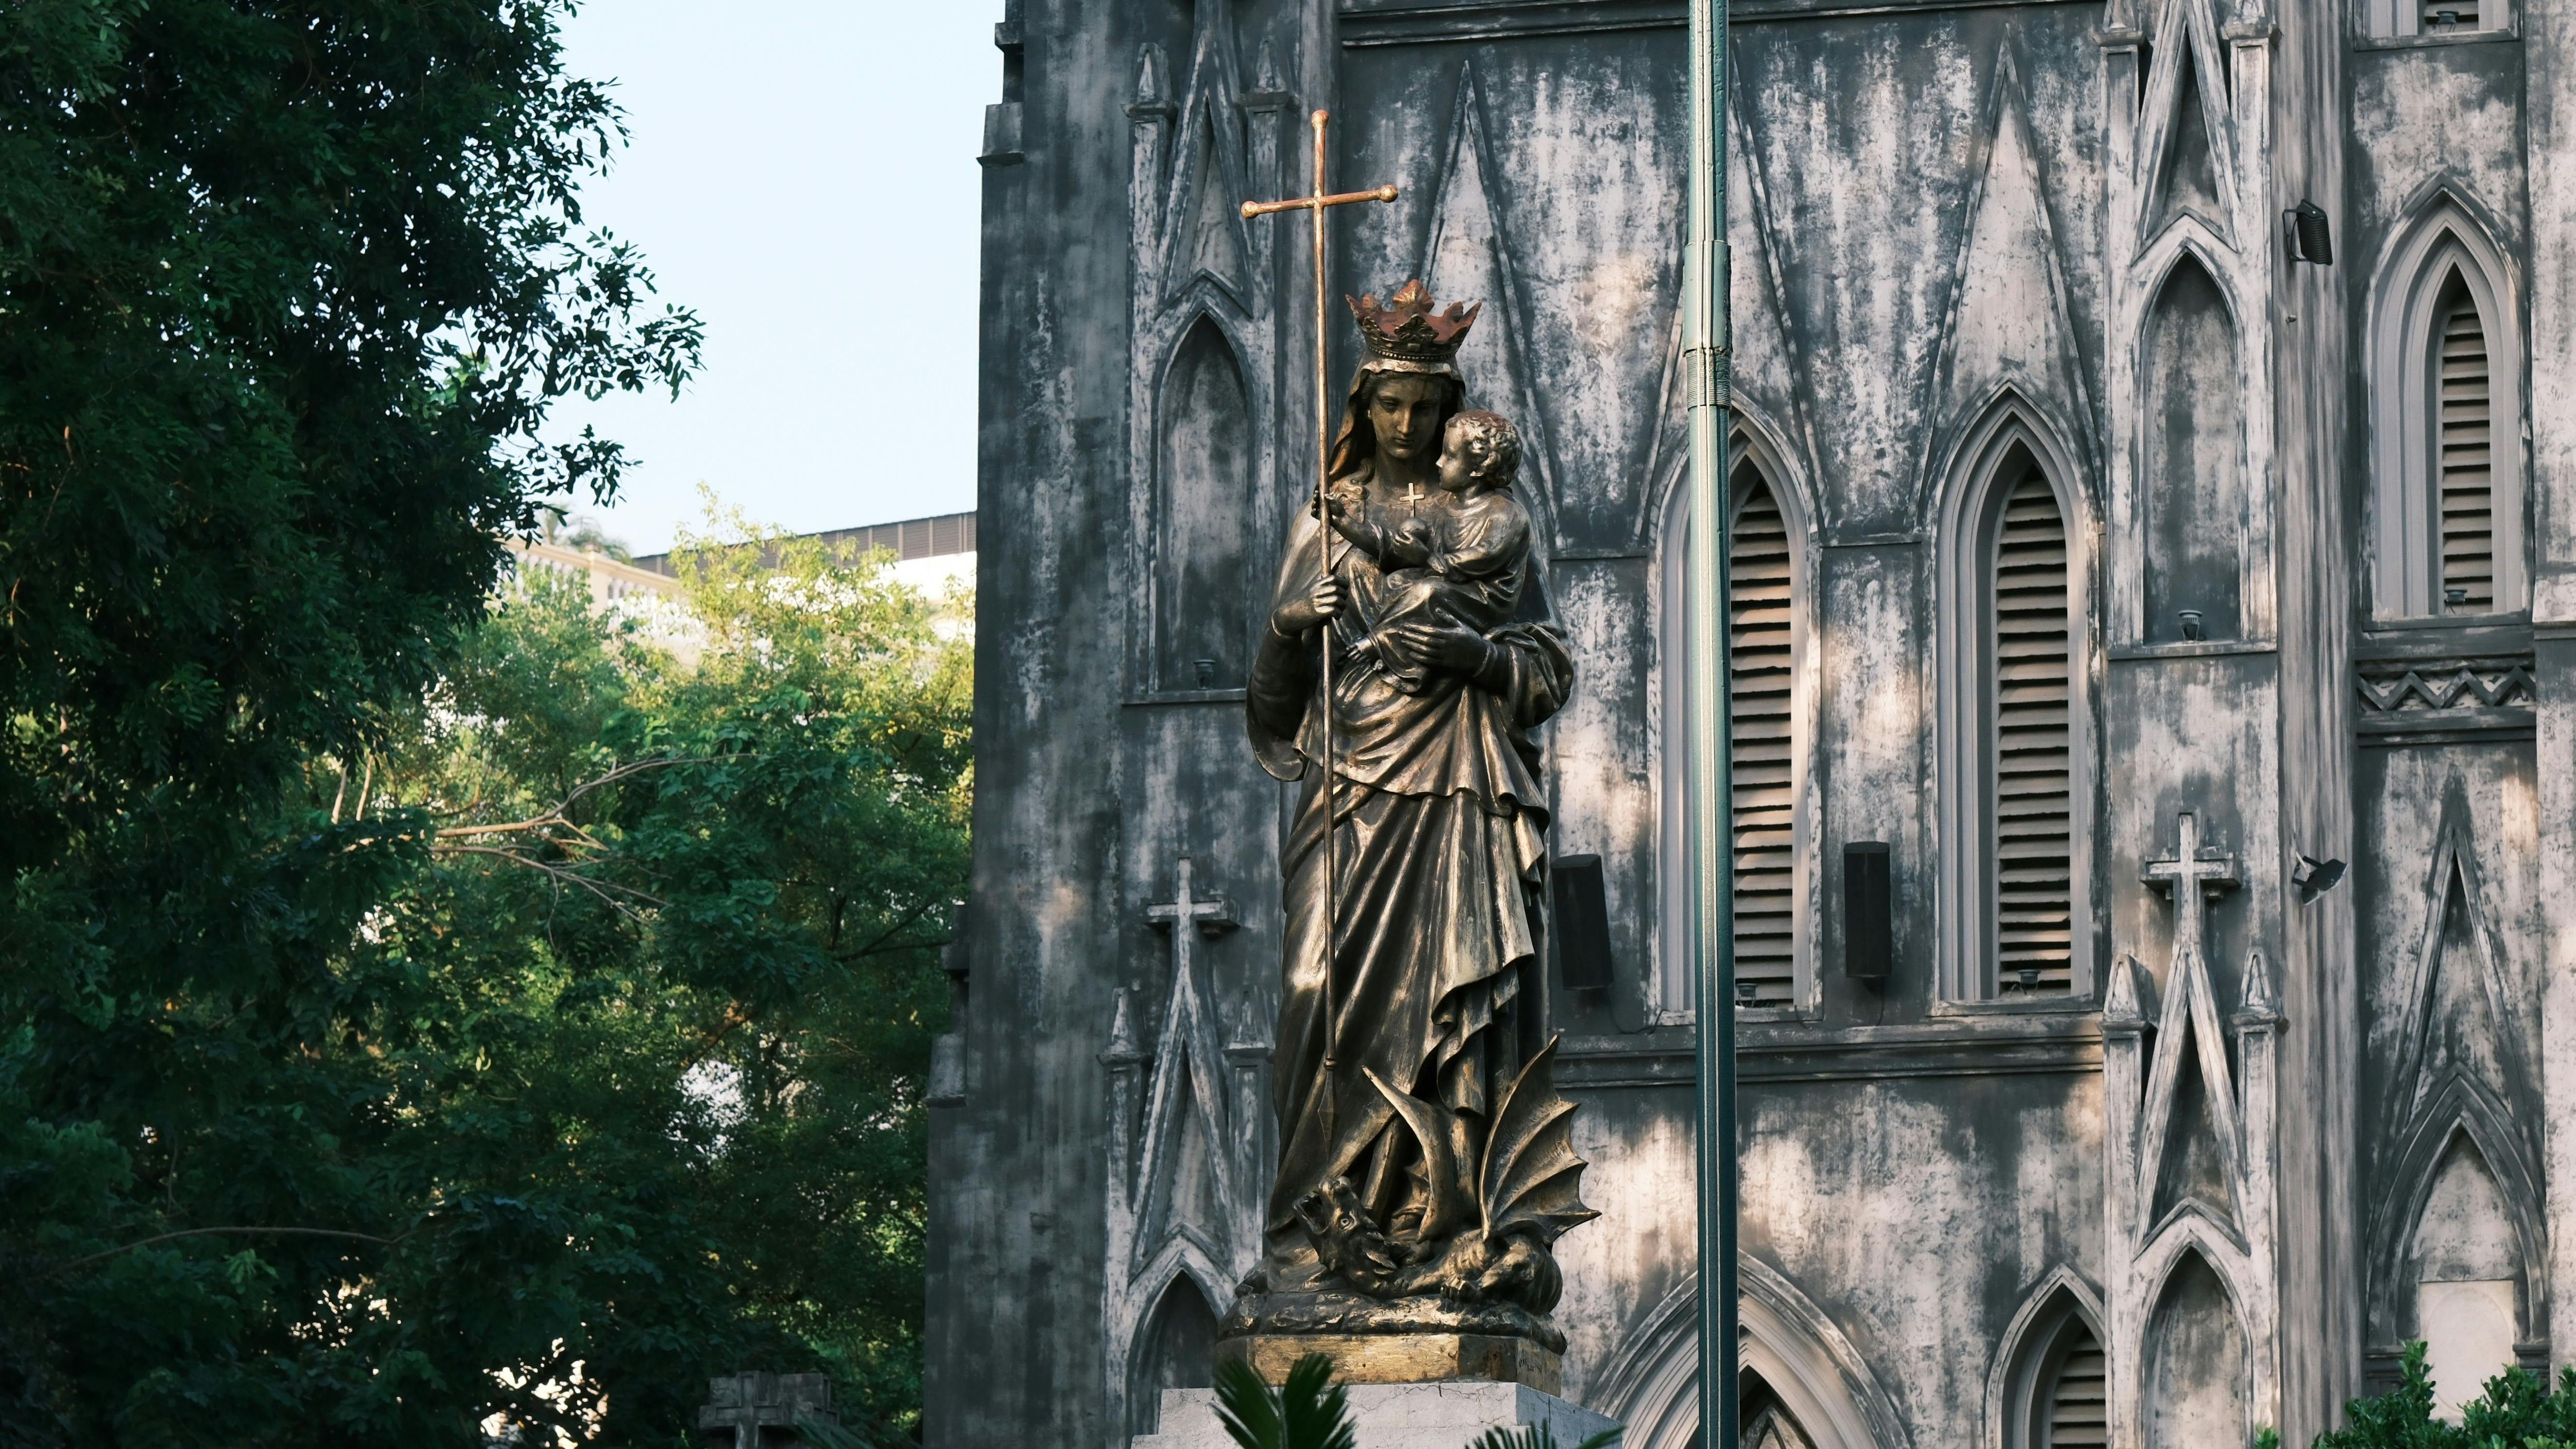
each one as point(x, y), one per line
point(1404, 412)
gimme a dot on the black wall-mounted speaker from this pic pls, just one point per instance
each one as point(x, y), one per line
point(1869, 911)
point(1582, 923)
point(2311, 234)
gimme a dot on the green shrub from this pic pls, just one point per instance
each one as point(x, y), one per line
point(2517, 1412)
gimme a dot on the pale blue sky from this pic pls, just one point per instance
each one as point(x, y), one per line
point(802, 172)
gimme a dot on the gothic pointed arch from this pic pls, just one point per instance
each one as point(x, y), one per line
point(2196, 1365)
point(2458, 1250)
point(2194, 498)
point(1770, 569)
point(2187, 162)
point(2467, 1268)
point(1174, 1348)
point(2446, 365)
point(1800, 1360)
point(1200, 542)
point(2015, 612)
point(2010, 326)
point(2049, 1385)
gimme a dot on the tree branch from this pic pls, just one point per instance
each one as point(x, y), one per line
point(601, 889)
point(62, 1268)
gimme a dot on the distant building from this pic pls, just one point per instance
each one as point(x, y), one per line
point(935, 555)
point(611, 579)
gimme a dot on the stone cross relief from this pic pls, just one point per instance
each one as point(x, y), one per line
point(1212, 916)
point(1189, 1054)
point(2189, 1023)
point(2187, 875)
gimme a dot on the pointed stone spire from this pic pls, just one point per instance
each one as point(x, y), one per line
point(2262, 1004)
point(2121, 1010)
point(1149, 77)
point(1123, 1048)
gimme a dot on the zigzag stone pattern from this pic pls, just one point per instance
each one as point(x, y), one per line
point(2401, 685)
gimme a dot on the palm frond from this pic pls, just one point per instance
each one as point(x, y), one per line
point(1309, 1411)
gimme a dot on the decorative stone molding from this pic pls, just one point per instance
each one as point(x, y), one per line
point(2395, 686)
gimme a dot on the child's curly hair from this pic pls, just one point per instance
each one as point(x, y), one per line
point(1496, 441)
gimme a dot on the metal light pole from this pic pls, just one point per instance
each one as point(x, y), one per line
point(1706, 349)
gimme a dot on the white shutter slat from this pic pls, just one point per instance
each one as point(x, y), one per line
point(2029, 748)
point(2079, 1401)
point(2464, 456)
point(1764, 741)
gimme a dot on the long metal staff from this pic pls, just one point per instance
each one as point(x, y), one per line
point(1315, 204)
point(1706, 345)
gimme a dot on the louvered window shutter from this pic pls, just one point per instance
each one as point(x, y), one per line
point(2032, 825)
point(2078, 1400)
point(1765, 807)
point(2463, 460)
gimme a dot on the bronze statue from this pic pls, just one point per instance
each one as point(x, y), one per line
point(1425, 1170)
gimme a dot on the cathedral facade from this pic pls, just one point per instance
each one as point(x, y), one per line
point(2155, 541)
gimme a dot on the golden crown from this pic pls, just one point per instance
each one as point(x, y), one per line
point(1406, 329)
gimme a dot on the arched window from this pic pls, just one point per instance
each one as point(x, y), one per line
point(2463, 458)
point(2013, 707)
point(2054, 1389)
point(2028, 797)
point(2446, 429)
point(1766, 576)
point(2073, 1405)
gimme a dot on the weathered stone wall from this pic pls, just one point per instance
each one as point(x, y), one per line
point(1960, 230)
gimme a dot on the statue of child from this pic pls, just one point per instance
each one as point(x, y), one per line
point(1456, 559)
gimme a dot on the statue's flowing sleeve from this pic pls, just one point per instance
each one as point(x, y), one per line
point(1531, 670)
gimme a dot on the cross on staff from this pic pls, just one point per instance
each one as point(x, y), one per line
point(1314, 205)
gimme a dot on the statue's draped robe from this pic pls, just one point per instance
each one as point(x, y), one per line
point(1440, 851)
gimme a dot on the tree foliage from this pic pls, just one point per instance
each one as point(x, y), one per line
point(329, 1112)
point(608, 1079)
point(2517, 1411)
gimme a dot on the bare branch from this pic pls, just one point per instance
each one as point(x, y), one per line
point(879, 944)
point(608, 891)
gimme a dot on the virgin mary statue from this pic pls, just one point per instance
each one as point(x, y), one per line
point(1423, 1149)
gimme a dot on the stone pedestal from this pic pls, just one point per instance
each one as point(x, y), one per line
point(1398, 1416)
point(1393, 1341)
point(1407, 1358)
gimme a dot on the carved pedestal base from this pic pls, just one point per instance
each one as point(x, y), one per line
point(1403, 1358)
point(1394, 1341)
point(1397, 1416)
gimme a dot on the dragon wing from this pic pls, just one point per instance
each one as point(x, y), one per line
point(1532, 1179)
point(1439, 1131)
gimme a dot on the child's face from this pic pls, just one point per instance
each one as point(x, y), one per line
point(1460, 463)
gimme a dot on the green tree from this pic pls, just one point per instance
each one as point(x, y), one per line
point(619, 1070)
point(286, 291)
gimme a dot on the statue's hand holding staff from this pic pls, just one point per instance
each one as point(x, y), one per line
point(1297, 616)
